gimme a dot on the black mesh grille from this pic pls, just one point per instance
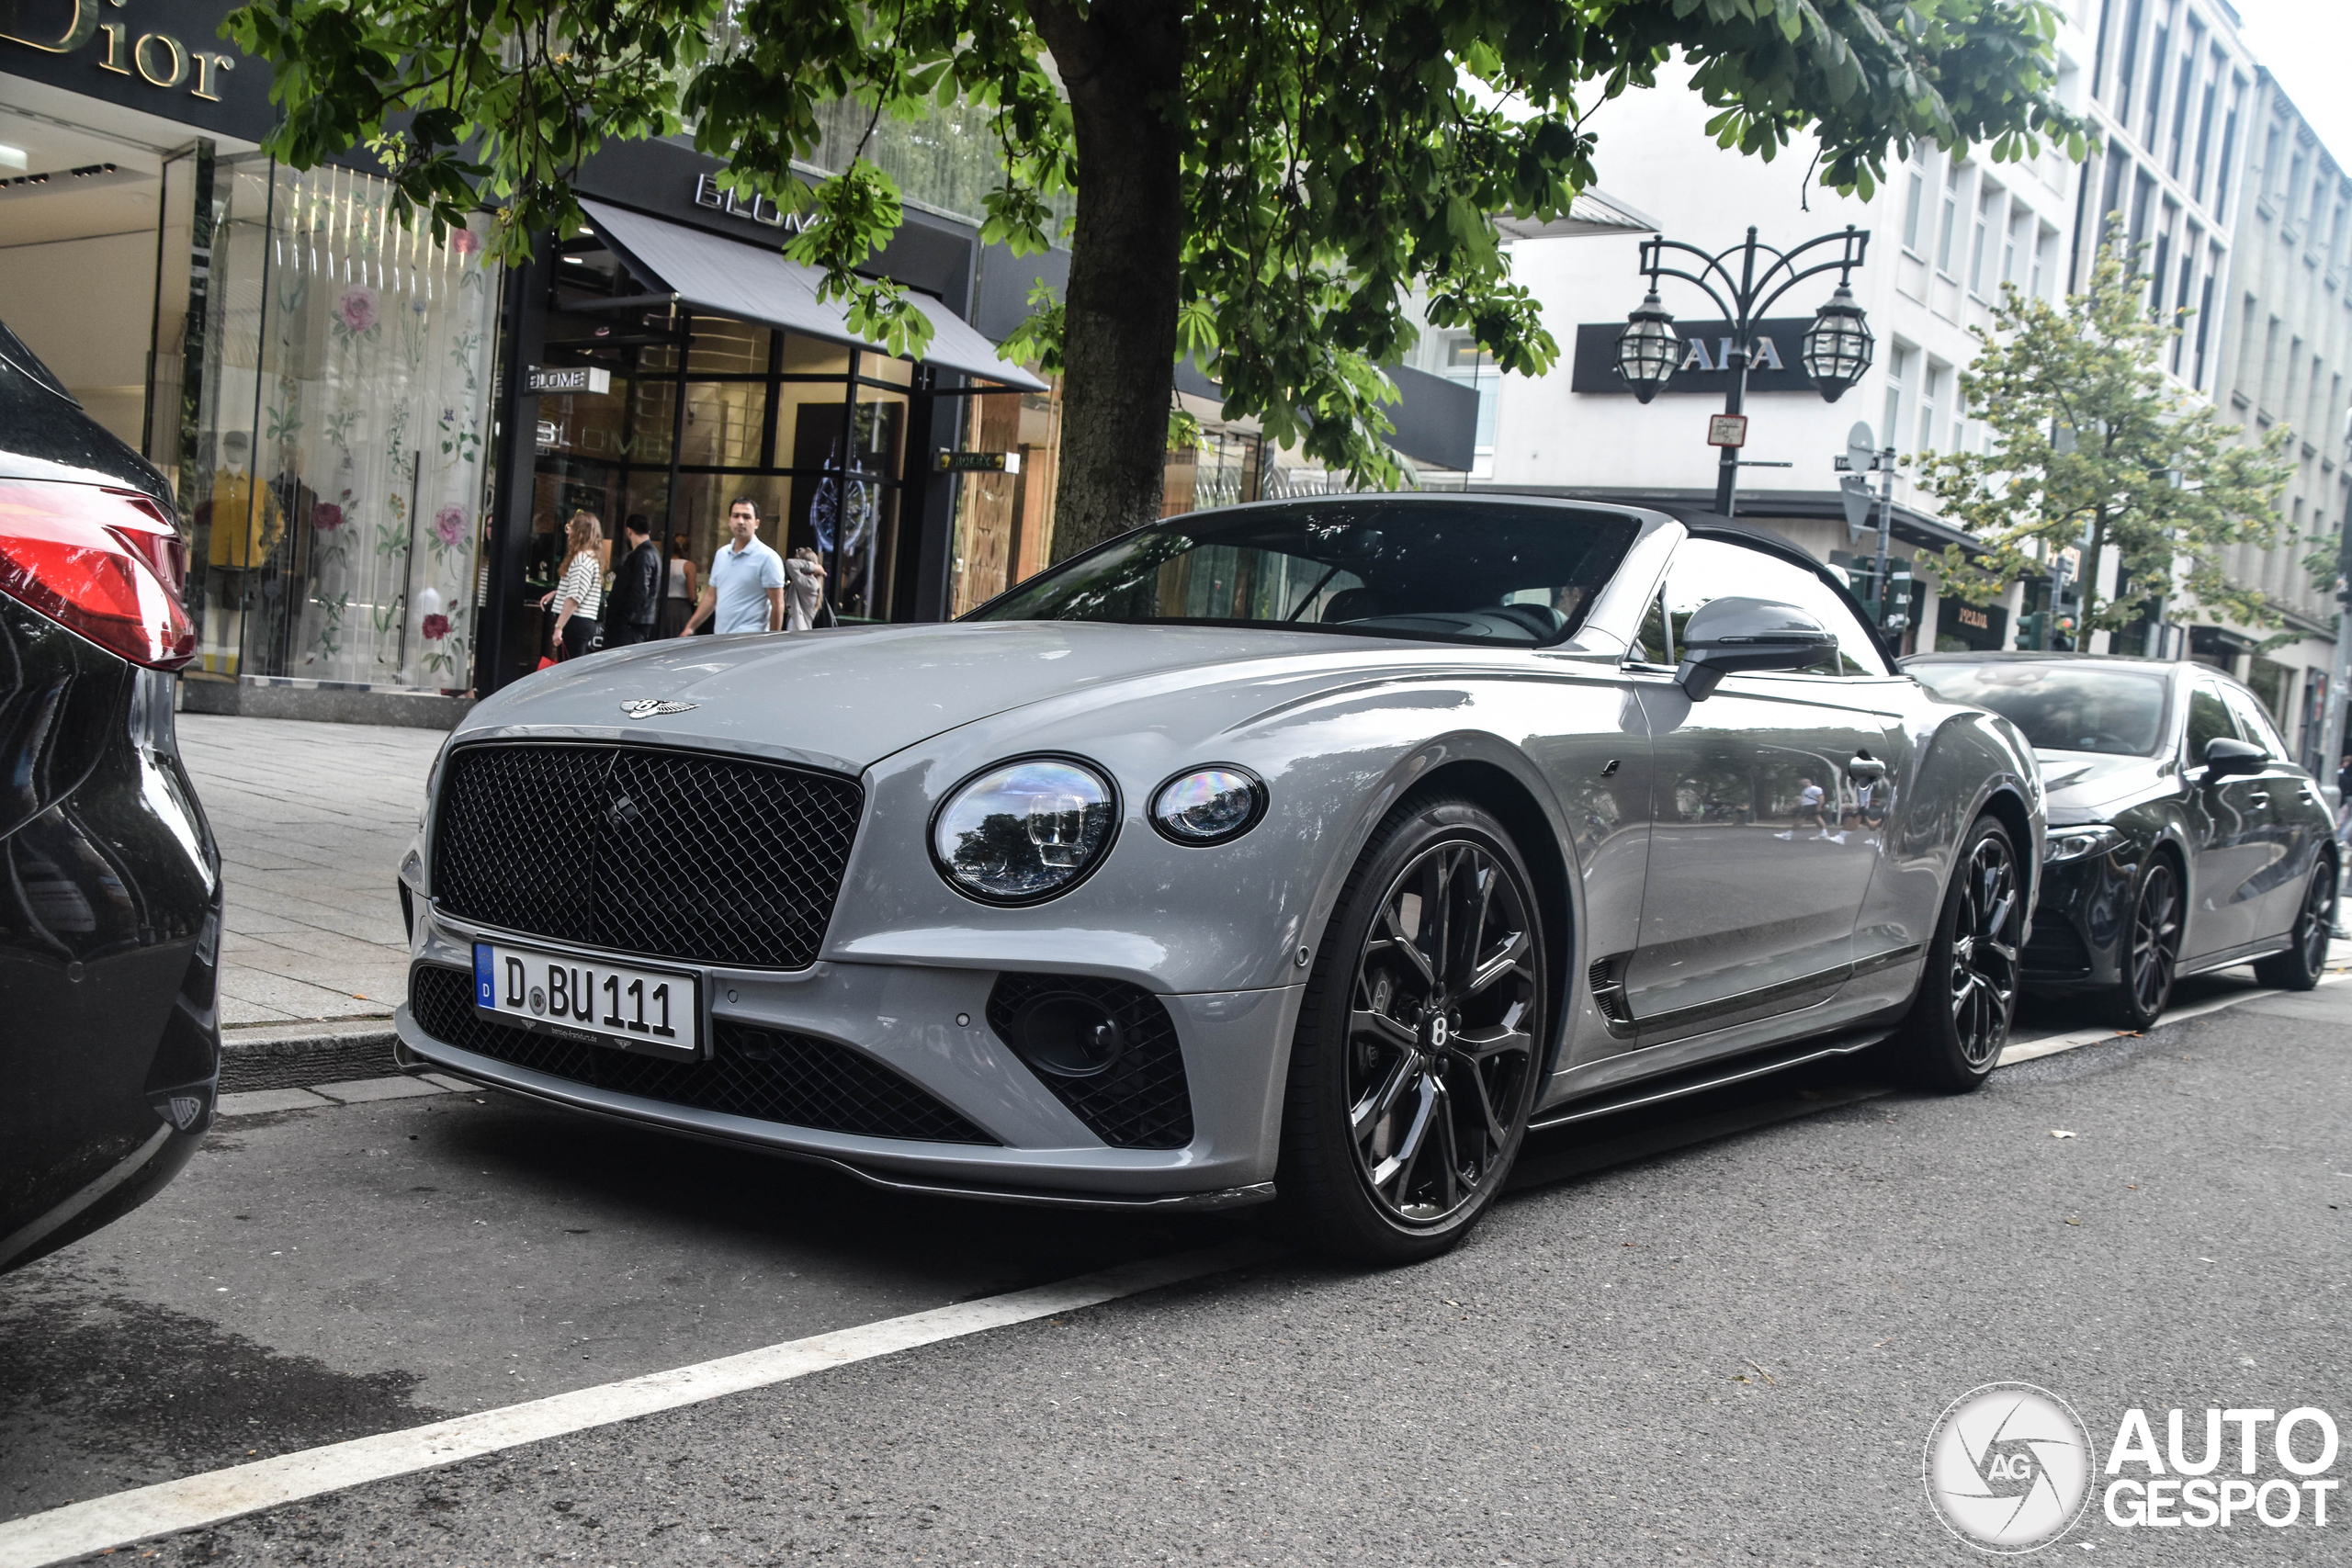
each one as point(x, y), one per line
point(2057, 948)
point(1142, 1102)
point(770, 1074)
point(671, 854)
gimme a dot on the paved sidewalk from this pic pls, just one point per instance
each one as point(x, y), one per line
point(312, 819)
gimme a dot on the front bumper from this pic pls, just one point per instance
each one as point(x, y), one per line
point(1235, 1047)
point(2078, 927)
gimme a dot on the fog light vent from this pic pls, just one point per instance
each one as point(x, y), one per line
point(1106, 1049)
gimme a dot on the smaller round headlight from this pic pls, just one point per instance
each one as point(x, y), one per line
point(1024, 831)
point(1208, 806)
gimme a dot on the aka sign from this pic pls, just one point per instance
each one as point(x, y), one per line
point(1727, 430)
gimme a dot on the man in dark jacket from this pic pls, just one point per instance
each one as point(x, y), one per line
point(636, 597)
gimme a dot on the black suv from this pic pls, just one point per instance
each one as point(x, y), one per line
point(109, 882)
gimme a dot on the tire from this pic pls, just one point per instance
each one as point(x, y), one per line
point(2299, 967)
point(1418, 1046)
point(2151, 952)
point(1951, 1039)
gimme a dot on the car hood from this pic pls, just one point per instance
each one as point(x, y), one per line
point(844, 699)
point(2081, 786)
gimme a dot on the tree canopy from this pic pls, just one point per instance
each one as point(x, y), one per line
point(2091, 448)
point(1261, 188)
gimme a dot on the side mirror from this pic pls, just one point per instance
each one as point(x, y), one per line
point(1733, 634)
point(2225, 757)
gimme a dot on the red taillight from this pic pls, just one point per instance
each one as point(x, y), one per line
point(106, 563)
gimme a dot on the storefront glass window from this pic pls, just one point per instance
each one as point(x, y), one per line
point(340, 467)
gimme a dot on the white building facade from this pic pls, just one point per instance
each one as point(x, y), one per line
point(1945, 233)
point(2243, 224)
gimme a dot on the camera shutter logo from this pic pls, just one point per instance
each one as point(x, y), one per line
point(2008, 1468)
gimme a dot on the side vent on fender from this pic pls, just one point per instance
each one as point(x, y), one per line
point(1607, 978)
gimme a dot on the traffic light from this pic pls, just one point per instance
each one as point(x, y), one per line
point(2033, 626)
point(1897, 604)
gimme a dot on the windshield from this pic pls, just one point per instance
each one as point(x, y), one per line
point(2062, 708)
point(1461, 571)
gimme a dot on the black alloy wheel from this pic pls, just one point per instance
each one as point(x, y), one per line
point(2299, 967)
point(2150, 952)
point(1959, 1022)
point(1417, 1057)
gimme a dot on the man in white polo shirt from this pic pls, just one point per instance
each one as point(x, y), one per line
point(747, 581)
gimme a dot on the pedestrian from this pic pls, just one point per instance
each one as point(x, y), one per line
point(1811, 803)
point(745, 589)
point(677, 587)
point(805, 590)
point(637, 584)
point(579, 596)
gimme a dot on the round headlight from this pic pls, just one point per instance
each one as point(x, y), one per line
point(1024, 831)
point(1208, 806)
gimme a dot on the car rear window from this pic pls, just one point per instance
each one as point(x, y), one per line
point(2062, 708)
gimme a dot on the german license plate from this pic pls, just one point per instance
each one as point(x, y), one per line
point(657, 1012)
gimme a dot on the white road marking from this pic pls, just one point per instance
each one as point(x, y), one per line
point(2050, 1044)
point(197, 1500)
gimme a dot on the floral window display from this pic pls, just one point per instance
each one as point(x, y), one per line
point(345, 405)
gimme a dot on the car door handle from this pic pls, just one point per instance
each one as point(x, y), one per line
point(1867, 768)
point(2259, 796)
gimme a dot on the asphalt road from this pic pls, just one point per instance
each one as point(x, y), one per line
point(1715, 1333)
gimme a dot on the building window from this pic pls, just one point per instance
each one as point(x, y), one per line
point(2013, 239)
point(2156, 62)
point(2335, 230)
point(2160, 269)
point(1931, 396)
point(1916, 202)
point(2111, 202)
point(2229, 145)
point(1948, 226)
point(1988, 205)
point(2127, 58)
point(2179, 323)
point(1898, 372)
point(2142, 199)
point(2205, 129)
point(2186, 96)
point(2205, 314)
point(2045, 255)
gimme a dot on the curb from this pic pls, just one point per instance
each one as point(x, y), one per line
point(293, 1056)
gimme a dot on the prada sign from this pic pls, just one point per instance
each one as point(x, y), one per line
point(165, 57)
point(1706, 354)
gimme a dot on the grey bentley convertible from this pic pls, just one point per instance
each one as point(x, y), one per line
point(1310, 850)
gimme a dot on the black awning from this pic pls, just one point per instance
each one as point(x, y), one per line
point(759, 283)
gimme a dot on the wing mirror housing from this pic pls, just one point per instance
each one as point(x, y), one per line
point(2225, 757)
point(1725, 635)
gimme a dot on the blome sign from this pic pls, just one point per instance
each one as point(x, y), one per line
point(2008, 1469)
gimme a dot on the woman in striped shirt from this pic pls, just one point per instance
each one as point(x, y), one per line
point(579, 598)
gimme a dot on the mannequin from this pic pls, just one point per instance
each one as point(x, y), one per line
point(243, 521)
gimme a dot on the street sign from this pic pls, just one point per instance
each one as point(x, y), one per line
point(979, 462)
point(1853, 494)
point(566, 378)
point(1862, 449)
point(1727, 430)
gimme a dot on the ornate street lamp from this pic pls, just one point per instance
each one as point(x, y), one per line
point(1836, 348)
point(1647, 350)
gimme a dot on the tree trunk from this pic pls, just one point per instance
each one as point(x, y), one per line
point(1121, 62)
point(2089, 597)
